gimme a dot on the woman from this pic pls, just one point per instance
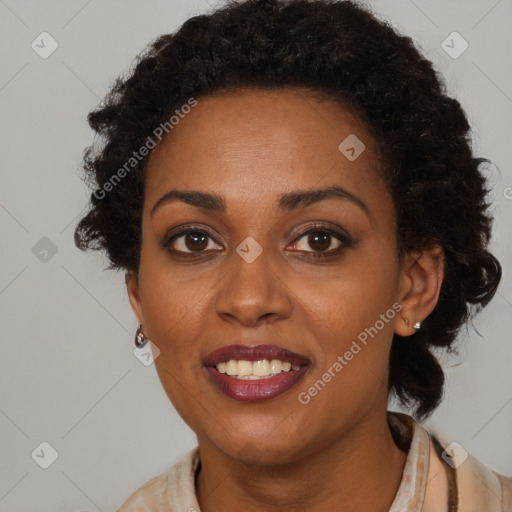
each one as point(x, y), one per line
point(301, 220)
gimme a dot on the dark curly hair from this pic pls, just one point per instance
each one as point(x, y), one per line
point(339, 49)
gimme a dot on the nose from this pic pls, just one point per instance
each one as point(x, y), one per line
point(252, 293)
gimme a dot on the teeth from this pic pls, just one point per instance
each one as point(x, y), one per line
point(275, 366)
point(232, 368)
point(260, 368)
point(253, 370)
point(245, 367)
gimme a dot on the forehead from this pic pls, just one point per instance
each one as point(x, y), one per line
point(257, 144)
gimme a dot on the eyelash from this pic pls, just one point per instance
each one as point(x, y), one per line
point(346, 242)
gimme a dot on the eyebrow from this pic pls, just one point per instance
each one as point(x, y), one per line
point(286, 202)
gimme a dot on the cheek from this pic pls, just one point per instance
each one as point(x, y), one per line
point(353, 296)
point(354, 318)
point(173, 311)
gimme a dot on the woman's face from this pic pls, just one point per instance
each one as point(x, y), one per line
point(255, 278)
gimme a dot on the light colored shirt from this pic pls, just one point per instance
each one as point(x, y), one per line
point(437, 477)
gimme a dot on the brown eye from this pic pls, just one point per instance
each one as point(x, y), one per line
point(323, 242)
point(190, 241)
point(195, 241)
point(319, 241)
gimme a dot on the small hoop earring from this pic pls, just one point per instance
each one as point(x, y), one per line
point(417, 325)
point(140, 337)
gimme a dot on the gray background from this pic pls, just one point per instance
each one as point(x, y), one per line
point(68, 374)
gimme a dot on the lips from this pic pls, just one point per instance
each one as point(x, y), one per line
point(254, 353)
point(255, 390)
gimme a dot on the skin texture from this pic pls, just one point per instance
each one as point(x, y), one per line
point(250, 147)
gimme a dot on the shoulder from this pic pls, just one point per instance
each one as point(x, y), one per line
point(471, 485)
point(479, 484)
point(444, 476)
point(168, 491)
point(146, 497)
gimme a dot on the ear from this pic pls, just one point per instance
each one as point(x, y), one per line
point(420, 284)
point(132, 287)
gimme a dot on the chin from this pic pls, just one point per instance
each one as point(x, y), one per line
point(258, 450)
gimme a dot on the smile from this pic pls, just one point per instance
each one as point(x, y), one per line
point(255, 374)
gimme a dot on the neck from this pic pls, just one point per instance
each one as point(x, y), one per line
point(360, 470)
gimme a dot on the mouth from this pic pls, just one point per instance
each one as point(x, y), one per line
point(256, 373)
